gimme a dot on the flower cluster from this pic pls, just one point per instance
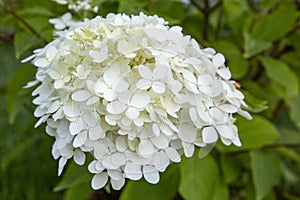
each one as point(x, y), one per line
point(133, 92)
point(78, 5)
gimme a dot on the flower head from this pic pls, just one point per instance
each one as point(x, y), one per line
point(135, 94)
point(78, 5)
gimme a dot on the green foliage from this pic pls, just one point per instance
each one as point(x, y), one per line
point(202, 182)
point(265, 172)
point(261, 43)
point(141, 189)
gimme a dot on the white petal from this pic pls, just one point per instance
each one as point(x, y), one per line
point(228, 108)
point(188, 149)
point(224, 73)
point(79, 157)
point(143, 84)
point(161, 161)
point(110, 76)
point(140, 100)
point(225, 131)
point(245, 114)
point(92, 100)
point(158, 34)
point(54, 75)
point(117, 185)
point(51, 52)
point(159, 72)
point(187, 132)
point(173, 154)
point(146, 148)
point(158, 87)
point(61, 164)
point(115, 174)
point(109, 95)
point(116, 107)
point(209, 135)
point(39, 111)
point(108, 164)
point(59, 83)
point(218, 115)
point(80, 139)
point(121, 143)
point(71, 110)
point(96, 132)
point(81, 95)
point(151, 174)
point(145, 72)
point(121, 86)
point(236, 141)
point(92, 167)
point(133, 171)
point(118, 159)
point(204, 79)
point(90, 118)
point(100, 87)
point(193, 114)
point(191, 87)
point(41, 62)
point(155, 129)
point(76, 126)
point(132, 113)
point(160, 141)
point(99, 180)
point(218, 60)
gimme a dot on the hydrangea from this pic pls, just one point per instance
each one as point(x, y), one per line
point(133, 92)
point(78, 5)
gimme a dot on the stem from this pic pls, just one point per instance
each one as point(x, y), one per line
point(206, 20)
point(275, 145)
point(6, 38)
point(206, 11)
point(10, 10)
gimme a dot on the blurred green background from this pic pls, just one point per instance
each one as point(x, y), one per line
point(261, 42)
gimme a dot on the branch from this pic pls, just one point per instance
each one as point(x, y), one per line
point(6, 38)
point(10, 10)
point(193, 2)
point(206, 11)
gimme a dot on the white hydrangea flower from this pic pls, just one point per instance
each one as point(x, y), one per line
point(62, 22)
point(135, 94)
point(78, 5)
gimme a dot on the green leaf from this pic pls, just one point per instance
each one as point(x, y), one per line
point(235, 12)
point(16, 95)
point(17, 150)
point(265, 167)
point(294, 110)
point(198, 178)
point(221, 191)
point(231, 167)
point(131, 6)
point(80, 191)
point(166, 9)
point(253, 134)
point(254, 46)
point(136, 190)
point(8, 63)
point(73, 175)
point(24, 41)
point(280, 72)
point(277, 24)
point(254, 105)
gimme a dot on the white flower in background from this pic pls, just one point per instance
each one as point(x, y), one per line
point(78, 5)
point(135, 94)
point(62, 22)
